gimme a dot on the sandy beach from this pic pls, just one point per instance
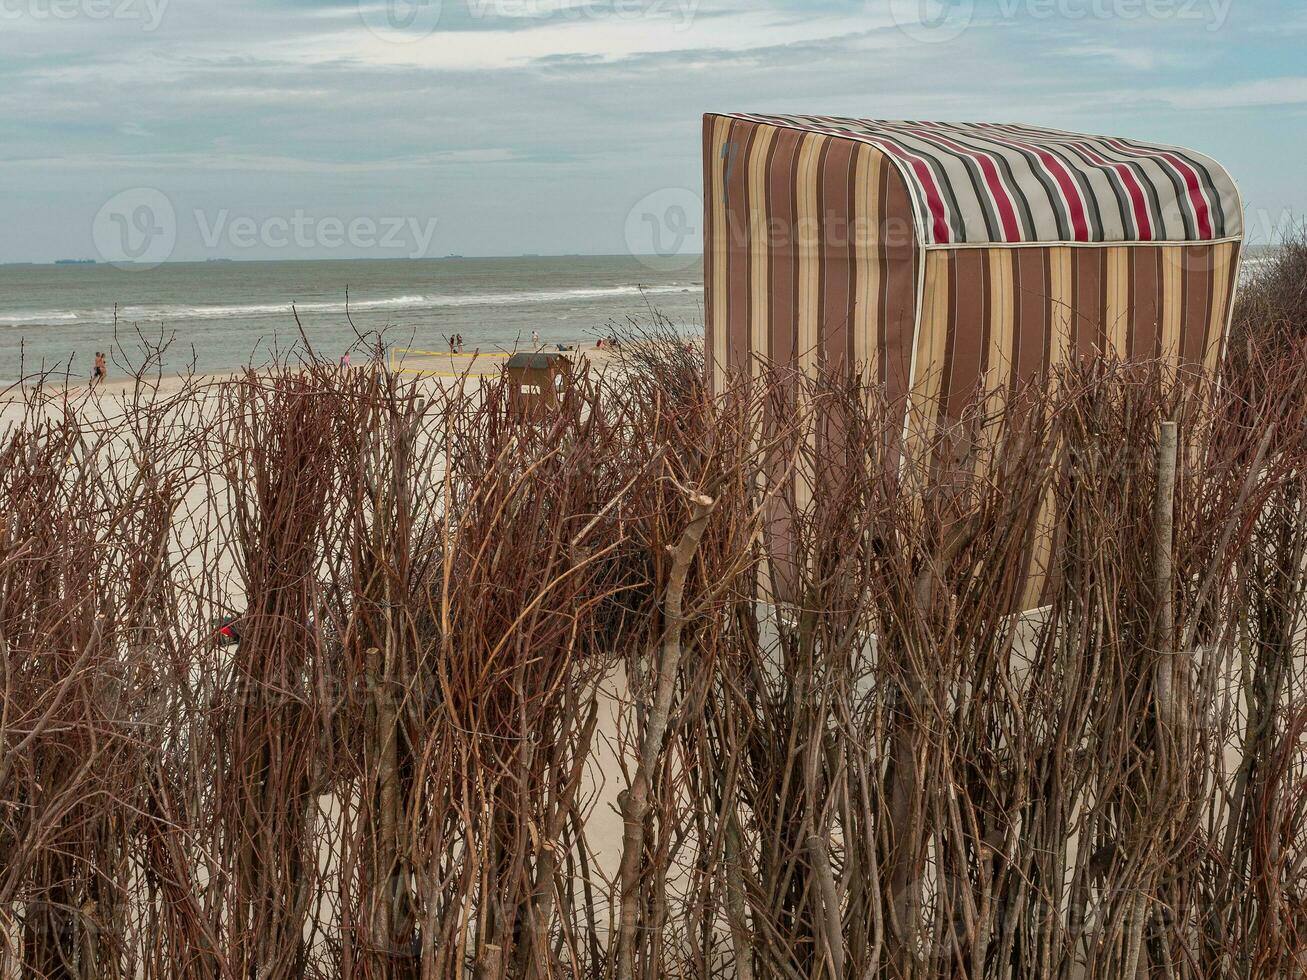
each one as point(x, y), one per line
point(469, 370)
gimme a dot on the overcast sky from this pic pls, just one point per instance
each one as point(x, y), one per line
point(488, 127)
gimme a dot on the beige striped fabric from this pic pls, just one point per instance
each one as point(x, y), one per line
point(993, 318)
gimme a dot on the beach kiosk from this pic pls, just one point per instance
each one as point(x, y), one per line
point(946, 259)
point(537, 382)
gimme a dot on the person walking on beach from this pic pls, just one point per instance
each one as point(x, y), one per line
point(99, 372)
point(453, 347)
point(535, 338)
point(459, 338)
point(344, 361)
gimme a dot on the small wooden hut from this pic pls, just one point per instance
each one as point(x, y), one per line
point(537, 382)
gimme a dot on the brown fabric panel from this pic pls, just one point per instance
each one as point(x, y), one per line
point(900, 273)
point(1145, 340)
point(709, 154)
point(985, 333)
point(807, 238)
point(1198, 298)
point(1030, 291)
point(784, 262)
point(782, 323)
point(968, 331)
point(851, 256)
point(882, 329)
point(1051, 311)
point(1089, 302)
point(1060, 264)
point(739, 268)
point(717, 291)
point(836, 213)
point(759, 251)
point(835, 207)
point(780, 181)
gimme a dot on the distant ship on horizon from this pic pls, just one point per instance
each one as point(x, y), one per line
point(75, 262)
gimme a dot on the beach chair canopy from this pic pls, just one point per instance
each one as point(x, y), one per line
point(944, 259)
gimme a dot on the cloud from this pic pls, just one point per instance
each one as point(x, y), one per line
point(567, 111)
point(587, 37)
point(252, 163)
point(1135, 59)
point(1264, 92)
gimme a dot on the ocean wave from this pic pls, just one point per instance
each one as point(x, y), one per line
point(259, 309)
point(551, 295)
point(44, 317)
point(178, 312)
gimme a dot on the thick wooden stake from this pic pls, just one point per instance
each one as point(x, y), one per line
point(635, 801)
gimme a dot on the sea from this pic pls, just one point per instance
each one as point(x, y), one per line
point(216, 317)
